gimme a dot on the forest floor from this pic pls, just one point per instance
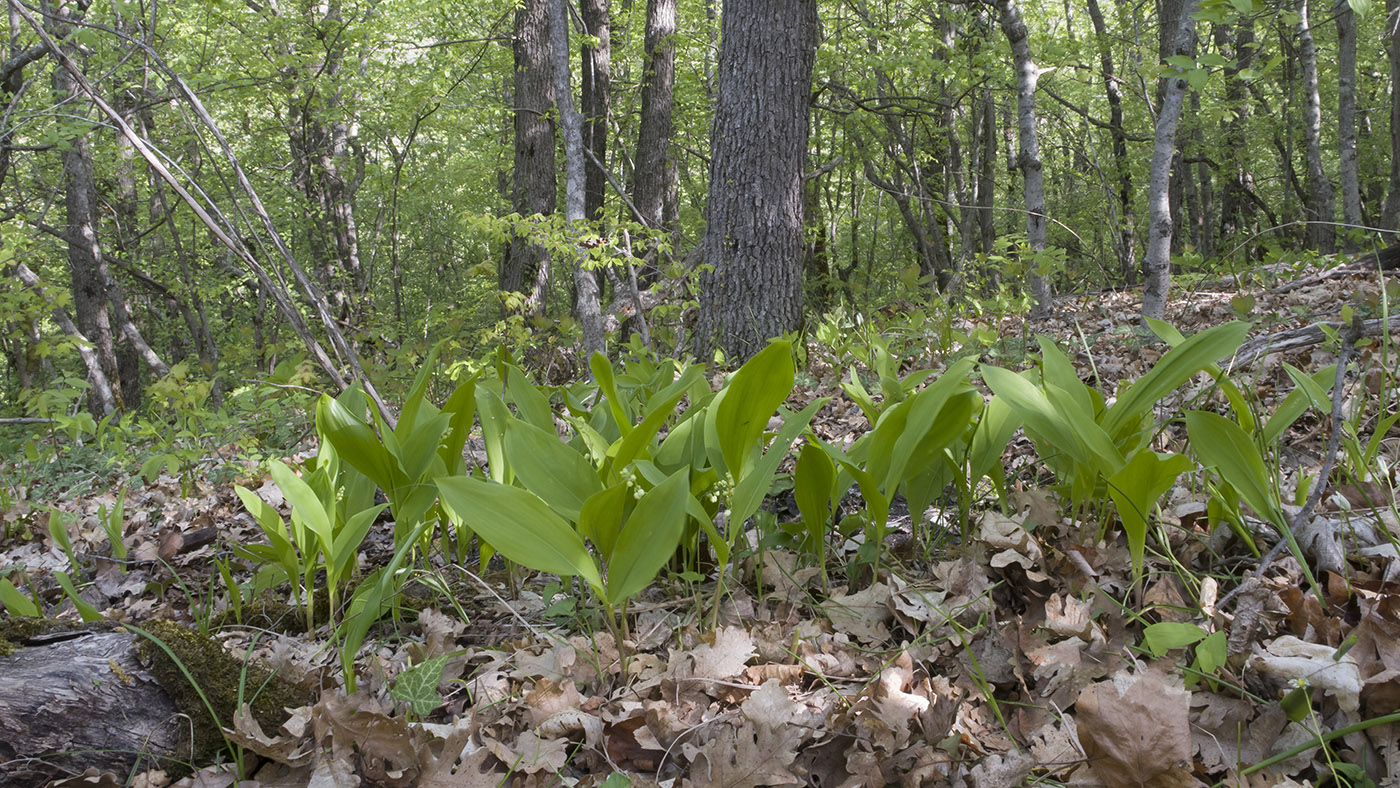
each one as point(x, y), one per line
point(1017, 653)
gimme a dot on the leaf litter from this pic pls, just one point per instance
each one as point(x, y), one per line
point(1012, 658)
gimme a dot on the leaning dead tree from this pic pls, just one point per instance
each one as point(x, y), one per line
point(219, 225)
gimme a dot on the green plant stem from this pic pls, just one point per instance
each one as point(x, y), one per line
point(1322, 740)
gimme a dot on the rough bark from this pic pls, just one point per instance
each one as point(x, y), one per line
point(1346, 121)
point(654, 173)
point(1236, 207)
point(986, 173)
point(1390, 212)
point(596, 101)
point(534, 185)
point(587, 299)
point(86, 263)
point(753, 238)
point(1156, 264)
point(1319, 209)
point(86, 702)
point(1028, 156)
point(1125, 244)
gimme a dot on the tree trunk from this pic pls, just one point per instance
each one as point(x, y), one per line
point(1390, 212)
point(986, 174)
point(753, 238)
point(1028, 158)
point(1321, 233)
point(653, 172)
point(596, 74)
point(587, 300)
point(534, 186)
point(86, 263)
point(1346, 122)
point(1236, 205)
point(1125, 244)
point(1157, 263)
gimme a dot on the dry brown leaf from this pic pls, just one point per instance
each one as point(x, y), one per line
point(723, 658)
point(744, 756)
point(863, 615)
point(530, 753)
point(293, 749)
point(1136, 731)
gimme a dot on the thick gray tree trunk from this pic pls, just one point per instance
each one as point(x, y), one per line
point(986, 173)
point(1346, 120)
point(1156, 266)
point(1028, 157)
point(753, 239)
point(534, 186)
point(1319, 210)
point(587, 307)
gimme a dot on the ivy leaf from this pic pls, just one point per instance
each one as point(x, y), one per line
point(418, 685)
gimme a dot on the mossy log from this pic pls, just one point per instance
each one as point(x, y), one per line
point(85, 701)
point(114, 700)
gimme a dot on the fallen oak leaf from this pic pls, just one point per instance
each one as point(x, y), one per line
point(1136, 731)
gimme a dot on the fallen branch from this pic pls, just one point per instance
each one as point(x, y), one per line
point(1295, 339)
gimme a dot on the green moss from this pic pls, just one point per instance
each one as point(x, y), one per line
point(218, 677)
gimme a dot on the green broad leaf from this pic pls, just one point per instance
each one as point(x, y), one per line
point(1221, 444)
point(519, 526)
point(352, 534)
point(306, 506)
point(1164, 636)
point(751, 489)
point(813, 482)
point(937, 416)
point(751, 397)
point(1057, 370)
point(1316, 394)
point(607, 383)
point(1182, 62)
point(1214, 60)
point(418, 685)
point(995, 429)
point(1168, 333)
point(635, 442)
point(876, 501)
point(356, 442)
point(1362, 8)
point(530, 402)
point(1136, 489)
point(600, 519)
point(1211, 654)
point(550, 468)
point(418, 444)
point(494, 418)
point(1297, 704)
point(856, 391)
point(418, 392)
point(15, 602)
point(266, 516)
point(85, 610)
point(1049, 422)
point(1180, 364)
point(461, 408)
point(1295, 405)
point(649, 538)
